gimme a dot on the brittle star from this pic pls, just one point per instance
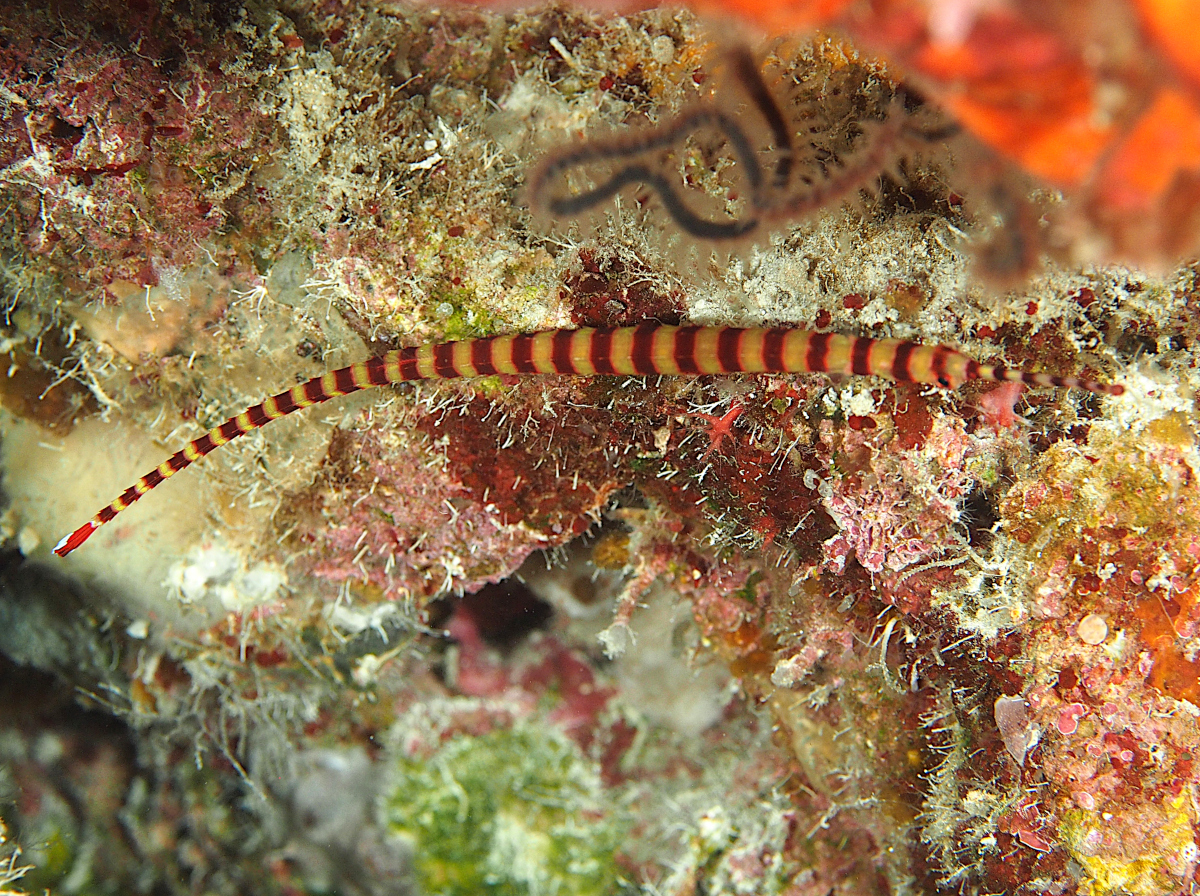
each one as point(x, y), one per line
point(769, 199)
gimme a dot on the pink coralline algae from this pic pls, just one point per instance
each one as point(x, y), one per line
point(112, 156)
point(549, 674)
point(1110, 693)
point(897, 507)
point(998, 406)
point(392, 514)
point(1068, 719)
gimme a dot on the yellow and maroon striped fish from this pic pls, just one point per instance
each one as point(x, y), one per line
point(649, 348)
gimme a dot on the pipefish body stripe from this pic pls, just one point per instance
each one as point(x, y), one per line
point(645, 349)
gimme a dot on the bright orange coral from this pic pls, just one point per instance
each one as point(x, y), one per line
point(1168, 133)
point(1042, 83)
point(1172, 26)
point(1103, 102)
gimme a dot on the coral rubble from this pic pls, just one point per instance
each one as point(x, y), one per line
point(751, 634)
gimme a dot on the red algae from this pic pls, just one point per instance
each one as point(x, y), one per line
point(134, 132)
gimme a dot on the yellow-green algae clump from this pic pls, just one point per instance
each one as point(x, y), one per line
point(510, 812)
point(1102, 847)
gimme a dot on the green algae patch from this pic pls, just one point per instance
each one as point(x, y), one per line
point(511, 812)
point(463, 314)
